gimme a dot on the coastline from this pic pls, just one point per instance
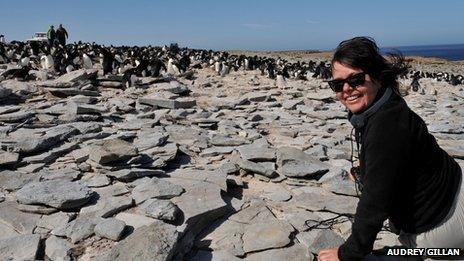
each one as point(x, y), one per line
point(430, 64)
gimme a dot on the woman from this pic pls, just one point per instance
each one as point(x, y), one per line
point(405, 176)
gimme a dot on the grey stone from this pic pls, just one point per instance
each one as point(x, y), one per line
point(160, 209)
point(78, 108)
point(217, 255)
point(51, 137)
point(7, 232)
point(275, 192)
point(255, 168)
point(291, 104)
point(221, 140)
point(255, 152)
point(223, 235)
point(51, 155)
point(154, 242)
point(59, 249)
point(55, 220)
point(110, 228)
point(156, 188)
point(21, 222)
point(77, 75)
point(65, 173)
point(325, 238)
point(112, 150)
point(148, 142)
point(111, 84)
point(8, 158)
point(14, 180)
point(215, 151)
point(4, 92)
point(19, 116)
point(229, 168)
point(38, 209)
point(266, 235)
point(330, 202)
point(341, 184)
point(169, 103)
point(177, 88)
point(296, 252)
point(9, 109)
point(19, 87)
point(201, 204)
point(293, 162)
point(98, 181)
point(107, 206)
point(23, 247)
point(61, 194)
point(135, 220)
point(131, 174)
point(80, 228)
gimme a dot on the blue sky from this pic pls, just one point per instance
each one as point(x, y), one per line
point(240, 24)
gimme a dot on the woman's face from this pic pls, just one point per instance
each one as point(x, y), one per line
point(355, 99)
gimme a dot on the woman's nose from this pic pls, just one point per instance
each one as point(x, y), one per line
point(347, 87)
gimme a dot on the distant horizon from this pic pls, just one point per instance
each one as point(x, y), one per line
point(254, 50)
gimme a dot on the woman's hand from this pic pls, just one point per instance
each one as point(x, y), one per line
point(330, 254)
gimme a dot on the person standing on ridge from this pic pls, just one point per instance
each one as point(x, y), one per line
point(51, 34)
point(61, 35)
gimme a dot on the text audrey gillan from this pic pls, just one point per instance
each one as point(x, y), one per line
point(425, 252)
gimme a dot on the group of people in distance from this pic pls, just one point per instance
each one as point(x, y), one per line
point(59, 36)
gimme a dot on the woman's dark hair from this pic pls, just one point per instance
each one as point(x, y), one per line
point(363, 53)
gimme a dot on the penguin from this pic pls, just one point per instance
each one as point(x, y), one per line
point(47, 62)
point(86, 61)
point(217, 67)
point(107, 61)
point(415, 85)
point(224, 70)
point(69, 68)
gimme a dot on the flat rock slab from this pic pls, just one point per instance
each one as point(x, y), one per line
point(107, 206)
point(266, 235)
point(330, 202)
point(160, 209)
point(324, 239)
point(254, 152)
point(156, 188)
point(14, 180)
point(8, 158)
point(23, 247)
point(218, 255)
point(112, 150)
point(294, 163)
point(80, 228)
point(58, 248)
point(169, 103)
point(21, 222)
point(77, 75)
point(110, 228)
point(60, 194)
point(296, 252)
point(49, 139)
point(223, 234)
point(154, 242)
point(135, 220)
point(131, 174)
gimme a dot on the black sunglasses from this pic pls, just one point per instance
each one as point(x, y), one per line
point(353, 81)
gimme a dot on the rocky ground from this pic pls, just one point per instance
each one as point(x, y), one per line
point(221, 168)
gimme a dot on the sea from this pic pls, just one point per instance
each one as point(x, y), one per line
point(451, 52)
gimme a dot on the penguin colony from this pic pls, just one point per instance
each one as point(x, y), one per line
point(154, 61)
